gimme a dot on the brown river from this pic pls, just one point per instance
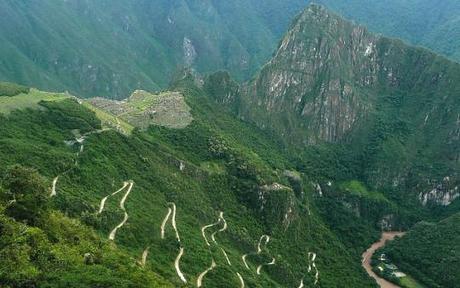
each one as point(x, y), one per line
point(386, 236)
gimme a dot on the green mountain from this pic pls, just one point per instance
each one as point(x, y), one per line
point(109, 48)
point(430, 251)
point(281, 182)
point(149, 182)
point(393, 110)
point(52, 250)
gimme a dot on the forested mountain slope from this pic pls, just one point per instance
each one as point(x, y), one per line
point(40, 247)
point(394, 107)
point(341, 134)
point(110, 48)
point(174, 200)
point(430, 251)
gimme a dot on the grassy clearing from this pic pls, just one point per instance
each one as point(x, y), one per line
point(409, 282)
point(357, 188)
point(30, 100)
point(108, 120)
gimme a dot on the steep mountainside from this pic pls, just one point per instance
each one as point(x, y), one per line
point(109, 48)
point(431, 252)
point(346, 133)
point(173, 201)
point(394, 108)
point(40, 247)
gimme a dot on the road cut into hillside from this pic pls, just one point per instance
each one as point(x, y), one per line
point(366, 262)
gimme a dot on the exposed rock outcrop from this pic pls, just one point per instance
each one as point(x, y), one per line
point(443, 193)
point(315, 86)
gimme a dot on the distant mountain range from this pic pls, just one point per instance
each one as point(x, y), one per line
point(110, 48)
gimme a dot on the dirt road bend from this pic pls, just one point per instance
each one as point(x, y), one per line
point(122, 206)
point(366, 258)
point(102, 205)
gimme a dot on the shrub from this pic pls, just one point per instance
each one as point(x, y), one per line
point(12, 89)
point(26, 192)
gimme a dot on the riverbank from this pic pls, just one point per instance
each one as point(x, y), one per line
point(366, 258)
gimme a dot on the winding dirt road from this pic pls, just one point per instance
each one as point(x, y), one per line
point(199, 280)
point(221, 219)
point(174, 221)
point(312, 263)
point(102, 205)
point(259, 250)
point(267, 264)
point(366, 262)
point(267, 239)
point(316, 273)
point(145, 254)
point(226, 256)
point(241, 279)
point(244, 261)
point(53, 189)
point(203, 230)
point(172, 211)
point(177, 265)
point(163, 224)
point(122, 206)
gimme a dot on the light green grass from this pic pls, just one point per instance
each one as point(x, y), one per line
point(212, 167)
point(30, 100)
point(142, 100)
point(170, 108)
point(357, 188)
point(108, 120)
point(409, 282)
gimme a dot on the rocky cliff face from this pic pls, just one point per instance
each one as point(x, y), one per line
point(328, 74)
point(316, 83)
point(394, 107)
point(443, 193)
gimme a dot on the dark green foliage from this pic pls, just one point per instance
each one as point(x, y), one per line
point(430, 252)
point(26, 194)
point(218, 163)
point(61, 252)
point(86, 58)
point(225, 163)
point(67, 116)
point(407, 133)
point(223, 89)
point(12, 89)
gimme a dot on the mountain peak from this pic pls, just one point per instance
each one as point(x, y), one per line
point(328, 73)
point(314, 9)
point(315, 75)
